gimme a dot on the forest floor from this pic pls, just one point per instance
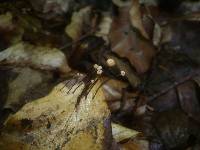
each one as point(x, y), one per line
point(109, 74)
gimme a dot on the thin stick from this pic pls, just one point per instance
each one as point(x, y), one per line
point(100, 87)
point(170, 87)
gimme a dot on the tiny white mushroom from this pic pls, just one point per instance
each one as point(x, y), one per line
point(110, 62)
point(79, 74)
point(92, 81)
point(99, 68)
point(99, 72)
point(96, 66)
point(123, 73)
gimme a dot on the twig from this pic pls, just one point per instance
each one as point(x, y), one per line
point(162, 92)
point(100, 87)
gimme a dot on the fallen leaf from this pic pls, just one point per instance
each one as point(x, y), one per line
point(54, 121)
point(121, 3)
point(43, 58)
point(197, 80)
point(136, 18)
point(74, 29)
point(121, 133)
point(173, 127)
point(165, 102)
point(188, 99)
point(179, 36)
point(189, 7)
point(51, 9)
point(113, 89)
point(25, 84)
point(149, 2)
point(104, 27)
point(6, 21)
point(127, 43)
point(10, 32)
point(157, 34)
point(135, 144)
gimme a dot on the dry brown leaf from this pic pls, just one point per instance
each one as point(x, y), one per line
point(113, 93)
point(130, 146)
point(129, 44)
point(136, 18)
point(178, 35)
point(113, 89)
point(136, 144)
point(53, 122)
point(121, 3)
point(188, 100)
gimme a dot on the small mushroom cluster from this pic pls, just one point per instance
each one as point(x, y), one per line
point(111, 63)
point(98, 69)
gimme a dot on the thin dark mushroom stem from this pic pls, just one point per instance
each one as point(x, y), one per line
point(104, 82)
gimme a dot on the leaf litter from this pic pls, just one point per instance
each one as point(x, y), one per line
point(99, 74)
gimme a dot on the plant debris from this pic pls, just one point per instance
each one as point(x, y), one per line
point(109, 74)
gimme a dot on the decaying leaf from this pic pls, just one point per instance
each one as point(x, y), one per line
point(104, 27)
point(74, 29)
point(189, 100)
point(113, 89)
point(149, 2)
point(117, 97)
point(173, 128)
point(121, 133)
point(150, 46)
point(157, 34)
point(197, 80)
point(136, 144)
point(166, 101)
point(136, 18)
point(179, 36)
point(53, 122)
point(6, 21)
point(189, 7)
point(128, 43)
point(51, 9)
point(121, 3)
point(10, 33)
point(44, 58)
point(25, 84)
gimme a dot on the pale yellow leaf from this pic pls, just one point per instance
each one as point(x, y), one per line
point(121, 133)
